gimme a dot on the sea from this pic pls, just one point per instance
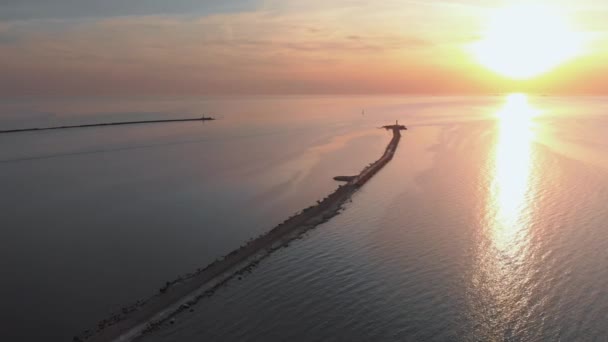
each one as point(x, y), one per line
point(490, 223)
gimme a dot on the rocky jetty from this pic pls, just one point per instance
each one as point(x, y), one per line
point(179, 295)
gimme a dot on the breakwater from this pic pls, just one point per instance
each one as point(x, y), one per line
point(36, 129)
point(182, 293)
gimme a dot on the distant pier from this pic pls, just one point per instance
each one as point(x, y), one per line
point(182, 293)
point(35, 129)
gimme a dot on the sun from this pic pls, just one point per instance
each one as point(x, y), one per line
point(524, 41)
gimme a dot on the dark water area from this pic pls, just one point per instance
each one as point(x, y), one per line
point(487, 225)
point(97, 218)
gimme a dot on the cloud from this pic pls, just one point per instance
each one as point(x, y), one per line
point(7, 34)
point(74, 9)
point(260, 49)
point(280, 47)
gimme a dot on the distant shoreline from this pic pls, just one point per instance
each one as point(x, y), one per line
point(36, 129)
point(179, 295)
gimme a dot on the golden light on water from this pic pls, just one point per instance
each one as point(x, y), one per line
point(524, 41)
point(502, 259)
point(512, 165)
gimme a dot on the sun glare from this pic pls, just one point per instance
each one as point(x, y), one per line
point(524, 41)
point(512, 171)
point(517, 112)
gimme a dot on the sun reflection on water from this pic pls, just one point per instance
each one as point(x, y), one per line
point(512, 164)
point(500, 279)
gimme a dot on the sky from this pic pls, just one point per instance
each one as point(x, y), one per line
point(199, 47)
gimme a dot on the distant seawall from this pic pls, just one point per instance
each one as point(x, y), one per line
point(181, 294)
point(36, 129)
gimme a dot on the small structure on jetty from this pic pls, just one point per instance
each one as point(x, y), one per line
point(396, 126)
point(344, 178)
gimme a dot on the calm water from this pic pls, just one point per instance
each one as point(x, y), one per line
point(489, 224)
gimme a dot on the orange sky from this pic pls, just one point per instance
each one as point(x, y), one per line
point(276, 47)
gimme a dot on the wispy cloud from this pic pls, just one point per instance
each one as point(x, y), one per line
point(70, 9)
point(207, 51)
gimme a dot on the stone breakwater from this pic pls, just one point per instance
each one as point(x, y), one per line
point(184, 292)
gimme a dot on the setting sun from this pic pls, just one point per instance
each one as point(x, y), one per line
point(524, 41)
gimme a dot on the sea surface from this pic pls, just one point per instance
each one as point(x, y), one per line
point(490, 224)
